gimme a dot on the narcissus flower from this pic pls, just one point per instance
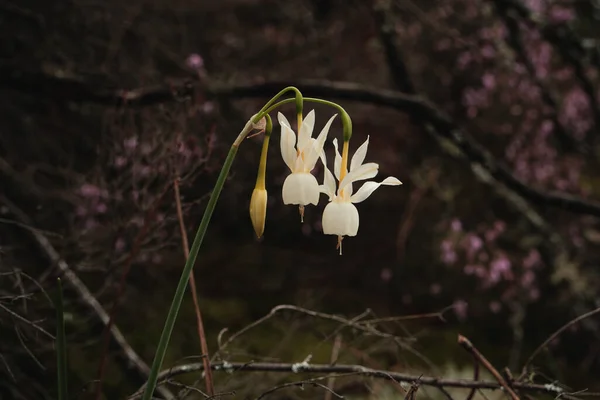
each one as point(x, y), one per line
point(301, 155)
point(340, 216)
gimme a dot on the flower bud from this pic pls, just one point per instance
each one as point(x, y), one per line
point(258, 210)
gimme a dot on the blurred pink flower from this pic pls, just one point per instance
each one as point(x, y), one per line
point(195, 61)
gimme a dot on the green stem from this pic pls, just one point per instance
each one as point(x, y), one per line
point(297, 99)
point(61, 345)
point(163, 343)
point(346, 120)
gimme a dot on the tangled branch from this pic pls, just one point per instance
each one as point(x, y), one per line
point(232, 367)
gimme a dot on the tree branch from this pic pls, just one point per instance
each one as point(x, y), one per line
point(564, 39)
point(231, 367)
point(73, 89)
point(126, 351)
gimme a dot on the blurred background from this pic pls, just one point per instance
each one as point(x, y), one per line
point(486, 110)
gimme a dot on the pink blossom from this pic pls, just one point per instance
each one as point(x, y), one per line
point(131, 143)
point(495, 307)
point(456, 225)
point(195, 61)
point(461, 309)
point(89, 190)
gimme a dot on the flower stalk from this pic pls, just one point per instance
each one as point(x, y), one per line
point(165, 337)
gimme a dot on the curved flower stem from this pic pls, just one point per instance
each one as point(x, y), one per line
point(163, 343)
point(346, 120)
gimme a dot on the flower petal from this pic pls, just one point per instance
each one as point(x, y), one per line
point(359, 155)
point(328, 186)
point(306, 130)
point(337, 165)
point(288, 139)
point(369, 187)
point(301, 188)
point(340, 218)
point(311, 158)
point(365, 171)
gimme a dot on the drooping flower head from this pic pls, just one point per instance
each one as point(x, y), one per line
point(340, 216)
point(300, 155)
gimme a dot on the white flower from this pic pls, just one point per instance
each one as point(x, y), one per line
point(301, 187)
point(340, 216)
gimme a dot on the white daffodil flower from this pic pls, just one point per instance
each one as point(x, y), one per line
point(301, 155)
point(340, 216)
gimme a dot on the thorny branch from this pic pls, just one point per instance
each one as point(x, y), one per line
point(232, 367)
point(126, 351)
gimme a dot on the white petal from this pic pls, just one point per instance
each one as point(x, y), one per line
point(359, 155)
point(287, 141)
point(369, 187)
point(328, 186)
point(298, 164)
point(340, 218)
point(301, 189)
point(365, 171)
point(306, 130)
point(283, 120)
point(337, 165)
point(311, 158)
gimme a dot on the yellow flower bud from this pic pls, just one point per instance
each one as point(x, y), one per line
point(258, 210)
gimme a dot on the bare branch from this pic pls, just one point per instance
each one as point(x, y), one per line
point(556, 334)
point(85, 296)
point(363, 371)
point(466, 343)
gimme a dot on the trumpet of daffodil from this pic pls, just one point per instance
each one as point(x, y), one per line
point(340, 216)
point(301, 155)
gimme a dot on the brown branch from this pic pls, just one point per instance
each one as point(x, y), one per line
point(72, 89)
point(466, 343)
point(210, 388)
point(475, 377)
point(133, 360)
point(135, 249)
point(556, 334)
point(335, 352)
point(231, 367)
point(422, 110)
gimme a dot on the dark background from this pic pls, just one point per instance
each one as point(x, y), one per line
point(486, 110)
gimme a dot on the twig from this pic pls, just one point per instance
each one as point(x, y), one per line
point(127, 352)
point(354, 323)
point(466, 343)
point(61, 345)
point(475, 377)
point(288, 307)
point(210, 389)
point(312, 382)
point(136, 247)
point(335, 352)
point(556, 334)
point(363, 371)
point(25, 320)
